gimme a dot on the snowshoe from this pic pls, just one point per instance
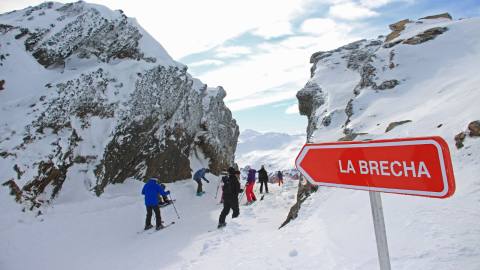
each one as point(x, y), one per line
point(148, 227)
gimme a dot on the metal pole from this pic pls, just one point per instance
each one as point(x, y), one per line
point(380, 232)
point(218, 186)
point(174, 208)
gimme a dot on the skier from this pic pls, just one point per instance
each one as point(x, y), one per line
point(280, 177)
point(198, 176)
point(231, 189)
point(249, 186)
point(263, 179)
point(151, 190)
point(163, 199)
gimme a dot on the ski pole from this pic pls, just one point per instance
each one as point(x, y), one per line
point(174, 206)
point(218, 186)
point(241, 196)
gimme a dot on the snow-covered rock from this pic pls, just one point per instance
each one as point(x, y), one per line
point(421, 80)
point(88, 97)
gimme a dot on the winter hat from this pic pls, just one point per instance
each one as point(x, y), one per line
point(231, 170)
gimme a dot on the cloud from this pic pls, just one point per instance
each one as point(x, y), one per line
point(208, 62)
point(374, 3)
point(274, 72)
point(186, 27)
point(232, 51)
point(380, 3)
point(292, 109)
point(323, 26)
point(276, 29)
point(351, 11)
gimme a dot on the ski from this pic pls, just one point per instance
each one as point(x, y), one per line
point(152, 230)
point(164, 227)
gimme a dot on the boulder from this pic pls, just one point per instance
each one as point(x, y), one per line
point(474, 128)
point(459, 138)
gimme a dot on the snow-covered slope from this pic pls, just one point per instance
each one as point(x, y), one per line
point(89, 98)
point(277, 151)
point(421, 81)
point(107, 232)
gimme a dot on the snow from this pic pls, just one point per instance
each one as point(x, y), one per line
point(334, 230)
point(437, 92)
point(103, 233)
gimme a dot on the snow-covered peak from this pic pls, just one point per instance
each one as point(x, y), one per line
point(56, 33)
point(103, 102)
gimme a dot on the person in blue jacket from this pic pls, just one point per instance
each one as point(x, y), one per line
point(198, 176)
point(151, 190)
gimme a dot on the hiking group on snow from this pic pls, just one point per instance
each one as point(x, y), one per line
point(157, 196)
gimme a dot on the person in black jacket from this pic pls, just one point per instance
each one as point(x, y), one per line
point(231, 189)
point(263, 179)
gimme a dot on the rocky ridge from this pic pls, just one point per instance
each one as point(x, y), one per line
point(416, 81)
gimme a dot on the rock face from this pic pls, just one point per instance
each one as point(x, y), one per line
point(361, 90)
point(104, 103)
point(396, 28)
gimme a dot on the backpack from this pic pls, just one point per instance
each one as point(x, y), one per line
point(251, 176)
point(227, 185)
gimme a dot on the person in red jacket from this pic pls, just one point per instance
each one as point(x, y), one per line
point(249, 186)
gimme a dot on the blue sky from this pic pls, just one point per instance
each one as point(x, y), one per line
point(259, 50)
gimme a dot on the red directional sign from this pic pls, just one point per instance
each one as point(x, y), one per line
point(413, 166)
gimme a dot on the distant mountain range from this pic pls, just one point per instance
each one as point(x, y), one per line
point(277, 151)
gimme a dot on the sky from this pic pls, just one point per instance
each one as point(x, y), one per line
point(259, 50)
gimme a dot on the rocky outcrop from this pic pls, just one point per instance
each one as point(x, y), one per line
point(396, 124)
point(459, 138)
point(396, 28)
point(310, 98)
point(354, 89)
point(473, 130)
point(438, 16)
point(116, 114)
point(425, 36)
point(90, 33)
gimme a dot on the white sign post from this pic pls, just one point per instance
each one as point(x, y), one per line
point(380, 232)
